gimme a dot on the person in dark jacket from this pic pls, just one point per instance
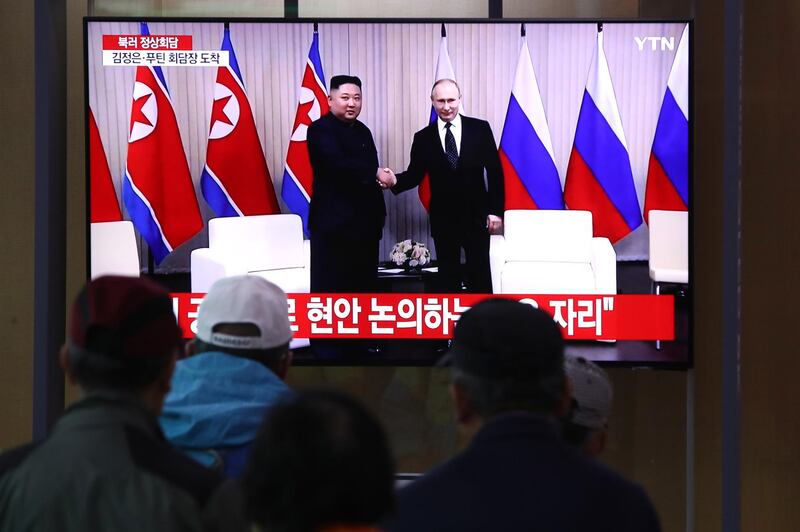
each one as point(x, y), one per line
point(517, 473)
point(106, 464)
point(347, 210)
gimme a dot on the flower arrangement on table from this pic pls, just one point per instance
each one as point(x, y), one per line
point(410, 254)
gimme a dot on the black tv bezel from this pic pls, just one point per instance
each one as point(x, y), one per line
point(658, 364)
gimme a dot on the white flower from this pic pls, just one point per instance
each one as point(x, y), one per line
point(410, 253)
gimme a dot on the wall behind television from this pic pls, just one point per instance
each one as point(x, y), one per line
point(768, 374)
point(396, 63)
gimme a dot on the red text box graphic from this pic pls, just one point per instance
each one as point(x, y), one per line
point(410, 316)
point(147, 42)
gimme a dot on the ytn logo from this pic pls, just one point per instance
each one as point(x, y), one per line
point(664, 42)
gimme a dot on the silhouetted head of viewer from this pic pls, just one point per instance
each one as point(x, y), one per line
point(506, 356)
point(123, 337)
point(320, 462)
point(586, 424)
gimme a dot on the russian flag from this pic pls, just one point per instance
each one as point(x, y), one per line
point(599, 177)
point(526, 151)
point(444, 70)
point(104, 206)
point(157, 187)
point(235, 180)
point(668, 171)
point(313, 103)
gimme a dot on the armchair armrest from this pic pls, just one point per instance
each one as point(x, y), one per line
point(307, 254)
point(604, 265)
point(497, 258)
point(208, 266)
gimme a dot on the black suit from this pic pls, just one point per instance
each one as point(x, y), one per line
point(461, 199)
point(347, 211)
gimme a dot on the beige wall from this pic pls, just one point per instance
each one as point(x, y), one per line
point(708, 263)
point(770, 363)
point(570, 8)
point(16, 222)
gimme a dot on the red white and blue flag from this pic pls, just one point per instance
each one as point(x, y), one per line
point(157, 187)
point(298, 176)
point(599, 177)
point(104, 206)
point(526, 150)
point(444, 70)
point(235, 180)
point(668, 171)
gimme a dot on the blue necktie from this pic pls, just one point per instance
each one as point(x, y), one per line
point(450, 146)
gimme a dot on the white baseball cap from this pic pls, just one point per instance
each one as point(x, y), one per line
point(245, 299)
point(591, 390)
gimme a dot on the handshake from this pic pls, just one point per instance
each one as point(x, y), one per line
point(385, 178)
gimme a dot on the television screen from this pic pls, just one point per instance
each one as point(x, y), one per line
point(389, 174)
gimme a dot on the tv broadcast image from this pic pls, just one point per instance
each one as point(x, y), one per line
point(388, 175)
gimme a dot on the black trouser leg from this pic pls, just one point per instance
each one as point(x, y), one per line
point(448, 256)
point(343, 264)
point(478, 274)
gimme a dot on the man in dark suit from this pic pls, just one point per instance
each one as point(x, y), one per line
point(460, 156)
point(347, 211)
point(517, 473)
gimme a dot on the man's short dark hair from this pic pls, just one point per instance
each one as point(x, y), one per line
point(491, 396)
point(507, 356)
point(343, 79)
point(320, 459)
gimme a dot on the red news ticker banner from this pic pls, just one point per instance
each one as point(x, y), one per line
point(147, 42)
point(406, 316)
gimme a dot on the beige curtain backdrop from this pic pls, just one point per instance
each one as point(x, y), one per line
point(396, 63)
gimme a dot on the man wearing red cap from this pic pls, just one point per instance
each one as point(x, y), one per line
point(106, 464)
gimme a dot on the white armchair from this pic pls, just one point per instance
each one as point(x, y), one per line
point(270, 246)
point(669, 247)
point(551, 252)
point(113, 249)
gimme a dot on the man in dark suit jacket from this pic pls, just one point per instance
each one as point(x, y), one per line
point(347, 211)
point(517, 473)
point(460, 156)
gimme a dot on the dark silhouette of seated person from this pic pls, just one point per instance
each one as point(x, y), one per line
point(517, 473)
point(106, 465)
point(321, 463)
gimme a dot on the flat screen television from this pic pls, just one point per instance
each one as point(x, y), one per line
point(196, 140)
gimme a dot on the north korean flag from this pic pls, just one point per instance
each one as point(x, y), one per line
point(235, 180)
point(157, 187)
